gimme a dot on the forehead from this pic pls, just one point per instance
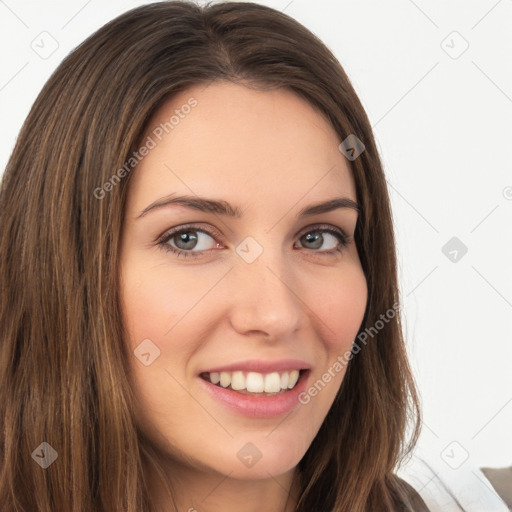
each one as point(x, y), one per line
point(242, 142)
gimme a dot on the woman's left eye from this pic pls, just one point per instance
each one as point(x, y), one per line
point(317, 236)
point(191, 240)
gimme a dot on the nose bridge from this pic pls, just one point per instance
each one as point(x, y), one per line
point(264, 298)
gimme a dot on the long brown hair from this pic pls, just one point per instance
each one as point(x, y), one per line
point(63, 360)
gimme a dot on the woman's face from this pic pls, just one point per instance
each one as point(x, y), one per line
point(250, 299)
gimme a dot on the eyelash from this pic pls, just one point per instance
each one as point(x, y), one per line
point(162, 242)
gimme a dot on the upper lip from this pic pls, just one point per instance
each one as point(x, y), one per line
point(261, 366)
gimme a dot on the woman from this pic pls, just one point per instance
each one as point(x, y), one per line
point(199, 302)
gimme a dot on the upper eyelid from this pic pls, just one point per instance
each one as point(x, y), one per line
point(213, 232)
point(189, 227)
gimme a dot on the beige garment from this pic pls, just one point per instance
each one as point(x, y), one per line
point(445, 489)
point(501, 480)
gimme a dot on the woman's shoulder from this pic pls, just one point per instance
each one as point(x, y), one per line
point(446, 487)
point(413, 501)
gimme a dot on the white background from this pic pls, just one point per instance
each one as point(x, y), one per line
point(443, 127)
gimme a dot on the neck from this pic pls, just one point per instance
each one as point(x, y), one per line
point(196, 490)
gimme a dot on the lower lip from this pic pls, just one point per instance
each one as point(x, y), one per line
point(258, 406)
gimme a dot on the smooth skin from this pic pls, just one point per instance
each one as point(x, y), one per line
point(271, 154)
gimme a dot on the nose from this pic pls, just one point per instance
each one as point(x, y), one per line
point(264, 300)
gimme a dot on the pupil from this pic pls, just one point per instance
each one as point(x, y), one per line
point(315, 238)
point(187, 239)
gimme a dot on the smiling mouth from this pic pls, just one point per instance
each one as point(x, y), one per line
point(255, 383)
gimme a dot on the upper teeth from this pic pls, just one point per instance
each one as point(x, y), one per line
point(255, 382)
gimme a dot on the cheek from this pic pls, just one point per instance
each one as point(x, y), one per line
point(341, 306)
point(158, 300)
point(158, 305)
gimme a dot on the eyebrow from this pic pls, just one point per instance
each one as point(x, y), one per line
point(222, 207)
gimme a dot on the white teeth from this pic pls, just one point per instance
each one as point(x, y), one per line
point(225, 379)
point(294, 377)
point(255, 382)
point(238, 381)
point(272, 383)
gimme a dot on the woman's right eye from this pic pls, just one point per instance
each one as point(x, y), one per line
point(182, 241)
